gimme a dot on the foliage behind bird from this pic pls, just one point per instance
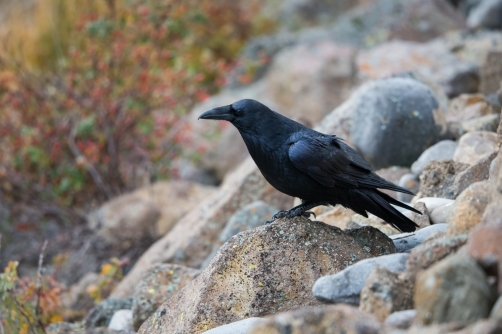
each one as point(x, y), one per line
point(319, 169)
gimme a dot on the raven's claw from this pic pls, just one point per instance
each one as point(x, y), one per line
point(307, 214)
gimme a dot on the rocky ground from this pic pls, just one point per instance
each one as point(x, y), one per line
point(416, 87)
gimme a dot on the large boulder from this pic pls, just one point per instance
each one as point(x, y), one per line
point(192, 238)
point(263, 271)
point(310, 79)
point(431, 60)
point(147, 212)
point(158, 285)
point(393, 108)
point(249, 217)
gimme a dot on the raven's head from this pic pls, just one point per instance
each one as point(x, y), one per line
point(243, 114)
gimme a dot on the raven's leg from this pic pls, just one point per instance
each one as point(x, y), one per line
point(299, 210)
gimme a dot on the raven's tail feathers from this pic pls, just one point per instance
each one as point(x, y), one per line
point(379, 204)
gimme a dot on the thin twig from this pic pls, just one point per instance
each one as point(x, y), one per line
point(20, 309)
point(90, 167)
point(38, 310)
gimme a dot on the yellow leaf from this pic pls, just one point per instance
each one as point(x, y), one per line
point(106, 269)
point(24, 329)
point(55, 318)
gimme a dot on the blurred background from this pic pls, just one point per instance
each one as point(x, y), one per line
point(100, 98)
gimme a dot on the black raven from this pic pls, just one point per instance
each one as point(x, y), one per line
point(319, 169)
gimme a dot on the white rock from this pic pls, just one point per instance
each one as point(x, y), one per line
point(238, 327)
point(121, 321)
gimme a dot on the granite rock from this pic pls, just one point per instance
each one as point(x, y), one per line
point(346, 286)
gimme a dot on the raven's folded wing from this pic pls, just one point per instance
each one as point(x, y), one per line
point(329, 161)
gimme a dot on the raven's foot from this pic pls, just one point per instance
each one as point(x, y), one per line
point(297, 211)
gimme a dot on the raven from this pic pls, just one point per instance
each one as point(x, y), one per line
point(319, 169)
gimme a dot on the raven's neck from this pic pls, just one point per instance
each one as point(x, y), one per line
point(270, 135)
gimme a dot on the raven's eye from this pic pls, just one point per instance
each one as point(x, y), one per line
point(239, 112)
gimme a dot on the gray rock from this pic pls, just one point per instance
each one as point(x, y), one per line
point(476, 173)
point(101, 315)
point(405, 242)
point(409, 182)
point(346, 286)
point(487, 14)
point(475, 146)
point(422, 219)
point(401, 319)
point(393, 108)
point(249, 217)
point(121, 321)
point(441, 151)
point(483, 123)
point(453, 290)
point(238, 327)
point(496, 312)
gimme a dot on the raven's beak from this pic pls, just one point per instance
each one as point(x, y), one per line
point(223, 113)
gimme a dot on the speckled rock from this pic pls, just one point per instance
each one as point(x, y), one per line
point(346, 286)
point(478, 172)
point(249, 217)
point(432, 251)
point(192, 239)
point(258, 272)
point(101, 315)
point(469, 207)
point(372, 240)
point(158, 285)
point(332, 319)
point(475, 146)
point(438, 177)
point(393, 108)
point(405, 242)
point(453, 290)
point(386, 292)
point(442, 150)
point(422, 220)
point(401, 319)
